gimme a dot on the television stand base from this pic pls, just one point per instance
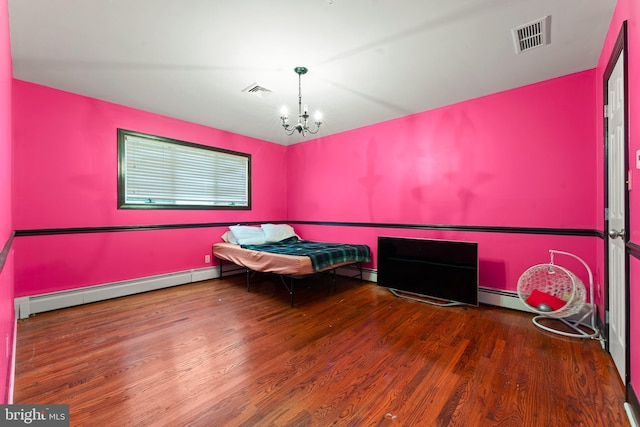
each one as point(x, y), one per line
point(423, 298)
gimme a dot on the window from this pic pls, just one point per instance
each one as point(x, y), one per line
point(163, 173)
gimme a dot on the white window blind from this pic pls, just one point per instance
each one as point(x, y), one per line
point(167, 173)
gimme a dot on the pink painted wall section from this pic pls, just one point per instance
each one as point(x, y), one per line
point(66, 163)
point(57, 262)
point(522, 158)
point(628, 10)
point(7, 317)
point(65, 172)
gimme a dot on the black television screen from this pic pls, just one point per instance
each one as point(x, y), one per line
point(442, 269)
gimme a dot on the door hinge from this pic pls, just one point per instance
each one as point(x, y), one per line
point(606, 214)
point(606, 111)
point(606, 317)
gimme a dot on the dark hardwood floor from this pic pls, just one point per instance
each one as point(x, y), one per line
point(212, 354)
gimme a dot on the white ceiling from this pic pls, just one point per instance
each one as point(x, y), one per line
point(369, 60)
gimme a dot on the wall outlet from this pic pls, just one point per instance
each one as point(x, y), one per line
point(207, 258)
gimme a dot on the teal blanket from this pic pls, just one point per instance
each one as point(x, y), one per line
point(322, 254)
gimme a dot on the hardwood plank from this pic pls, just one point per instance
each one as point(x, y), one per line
point(211, 353)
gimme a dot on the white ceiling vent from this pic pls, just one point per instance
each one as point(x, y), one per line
point(257, 90)
point(532, 35)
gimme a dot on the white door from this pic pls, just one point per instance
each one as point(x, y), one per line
point(616, 204)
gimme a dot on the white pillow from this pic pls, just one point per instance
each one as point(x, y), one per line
point(276, 233)
point(229, 237)
point(247, 235)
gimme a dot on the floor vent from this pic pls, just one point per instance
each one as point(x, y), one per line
point(532, 35)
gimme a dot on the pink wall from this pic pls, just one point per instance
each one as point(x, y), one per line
point(7, 316)
point(65, 172)
point(628, 10)
point(66, 163)
point(521, 158)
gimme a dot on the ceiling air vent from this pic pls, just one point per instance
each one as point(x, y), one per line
point(257, 90)
point(532, 35)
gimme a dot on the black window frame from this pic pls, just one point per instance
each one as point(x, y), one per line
point(122, 174)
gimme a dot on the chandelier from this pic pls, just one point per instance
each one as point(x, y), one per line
point(303, 114)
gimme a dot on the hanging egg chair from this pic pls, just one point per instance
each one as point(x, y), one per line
point(554, 292)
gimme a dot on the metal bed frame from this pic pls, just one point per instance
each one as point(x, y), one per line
point(289, 280)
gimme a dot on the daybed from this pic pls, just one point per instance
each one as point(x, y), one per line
point(277, 249)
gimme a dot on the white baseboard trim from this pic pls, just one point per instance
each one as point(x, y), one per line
point(352, 271)
point(33, 304)
point(630, 414)
point(30, 305)
point(500, 298)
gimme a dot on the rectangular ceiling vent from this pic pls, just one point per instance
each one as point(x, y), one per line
point(257, 90)
point(532, 35)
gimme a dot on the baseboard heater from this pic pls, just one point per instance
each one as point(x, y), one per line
point(500, 298)
point(29, 305)
point(348, 271)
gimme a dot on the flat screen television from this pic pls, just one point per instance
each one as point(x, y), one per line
point(443, 270)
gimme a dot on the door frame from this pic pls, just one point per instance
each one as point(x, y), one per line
point(620, 47)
